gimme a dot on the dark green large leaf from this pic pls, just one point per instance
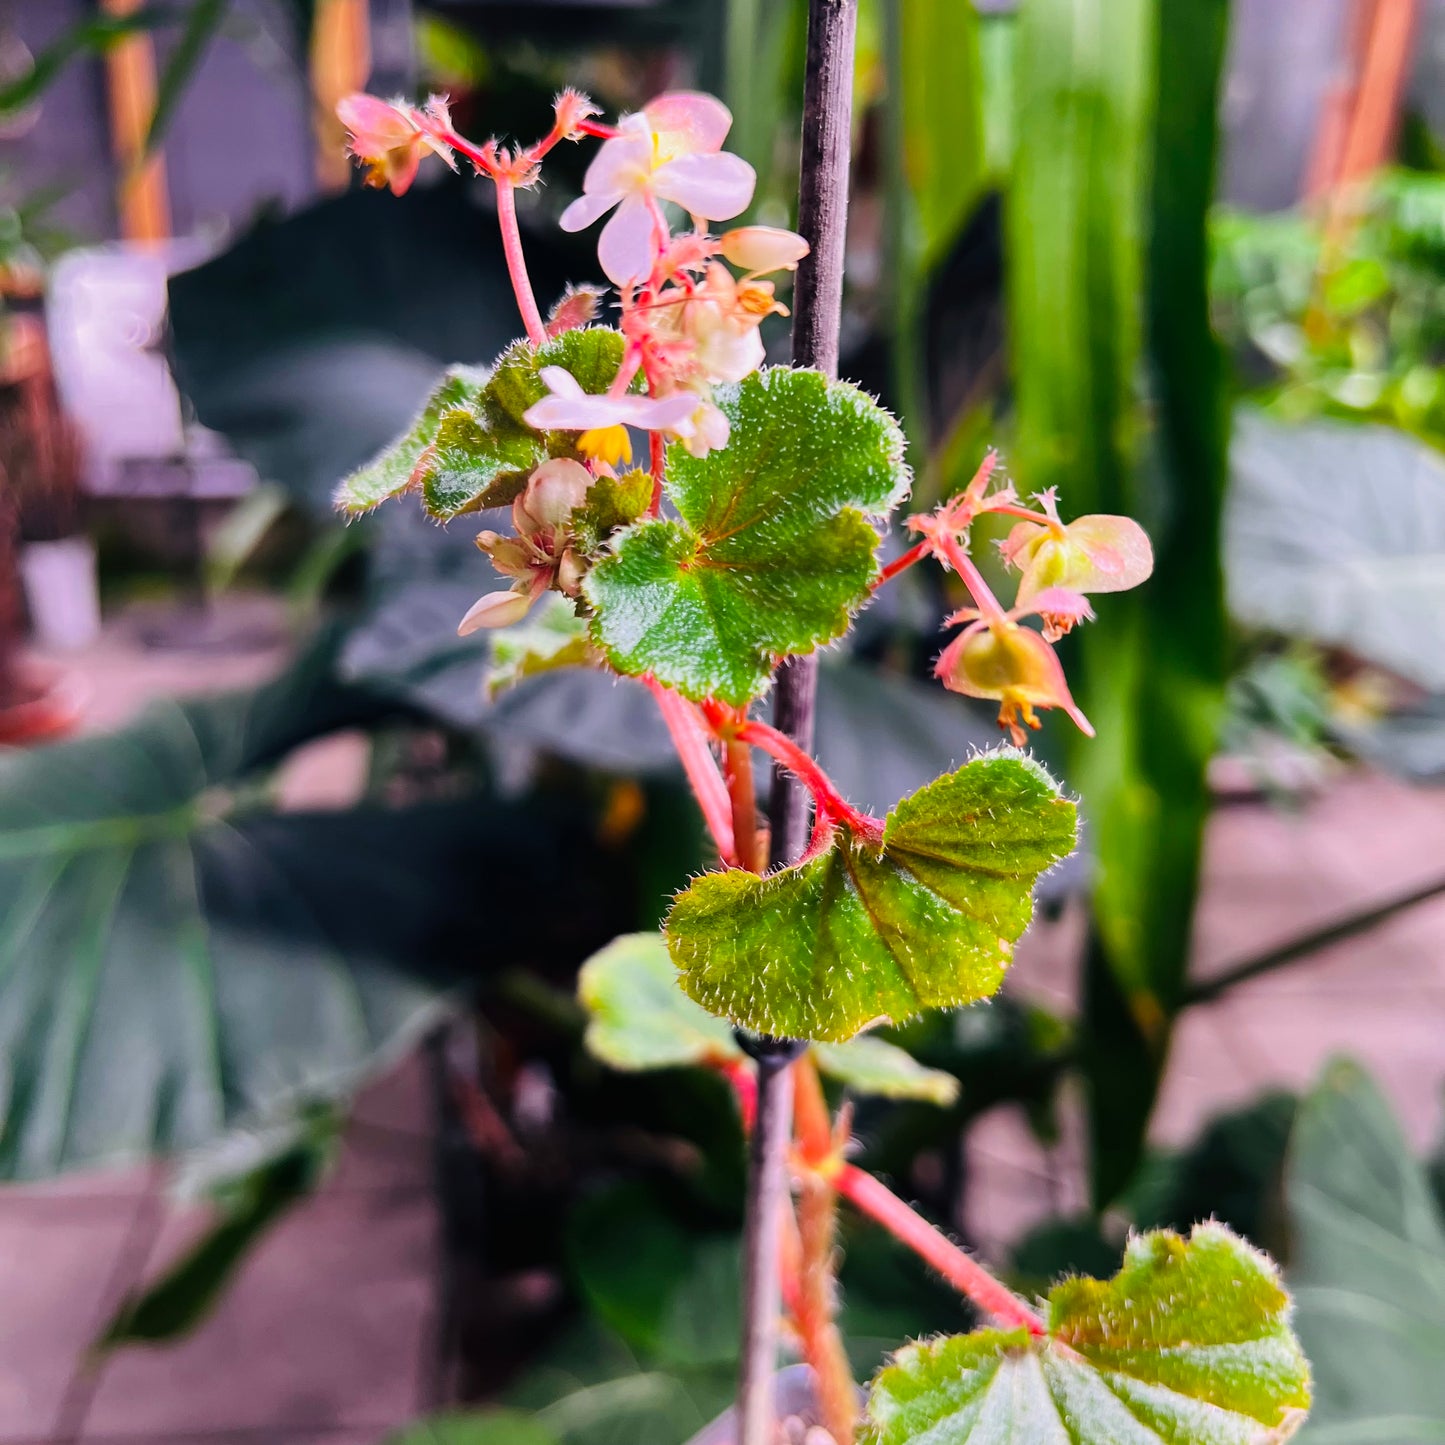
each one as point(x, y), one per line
point(880, 930)
point(773, 552)
point(1102, 172)
point(1188, 1344)
point(175, 959)
point(1367, 1268)
point(1336, 534)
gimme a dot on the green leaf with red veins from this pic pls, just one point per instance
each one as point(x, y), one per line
point(1189, 1344)
point(772, 553)
point(870, 930)
point(389, 474)
point(481, 456)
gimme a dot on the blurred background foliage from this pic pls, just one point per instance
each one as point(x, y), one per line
point(1035, 262)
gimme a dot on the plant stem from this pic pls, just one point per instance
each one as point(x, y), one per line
point(935, 1248)
point(517, 262)
point(817, 1307)
point(762, 1237)
point(817, 313)
point(988, 605)
point(915, 553)
point(829, 802)
point(690, 739)
point(738, 771)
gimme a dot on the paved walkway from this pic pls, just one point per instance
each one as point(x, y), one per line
point(328, 1336)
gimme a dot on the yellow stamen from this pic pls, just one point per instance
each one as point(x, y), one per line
point(609, 444)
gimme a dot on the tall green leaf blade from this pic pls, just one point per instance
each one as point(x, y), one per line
point(864, 932)
point(1082, 213)
point(1367, 1267)
point(202, 24)
point(1188, 1344)
point(773, 552)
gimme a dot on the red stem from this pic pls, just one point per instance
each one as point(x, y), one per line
point(832, 806)
point(901, 564)
point(988, 605)
point(598, 129)
point(690, 738)
point(657, 459)
point(962, 1272)
point(517, 262)
point(1011, 509)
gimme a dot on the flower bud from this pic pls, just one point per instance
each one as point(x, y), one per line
point(554, 491)
point(496, 609)
point(763, 248)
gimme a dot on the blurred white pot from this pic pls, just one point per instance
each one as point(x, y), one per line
point(62, 592)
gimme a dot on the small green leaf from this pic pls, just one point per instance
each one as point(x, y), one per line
point(640, 1018)
point(869, 1065)
point(612, 503)
point(469, 448)
point(390, 473)
point(863, 932)
point(1188, 1344)
point(552, 637)
point(773, 552)
point(482, 455)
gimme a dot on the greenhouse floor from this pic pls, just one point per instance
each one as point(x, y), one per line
point(329, 1335)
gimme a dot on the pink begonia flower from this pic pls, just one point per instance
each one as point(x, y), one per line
point(670, 151)
point(390, 139)
point(569, 408)
point(996, 658)
point(1090, 554)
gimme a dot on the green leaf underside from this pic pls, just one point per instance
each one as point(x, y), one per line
point(552, 637)
point(773, 552)
point(859, 933)
point(641, 1019)
point(469, 448)
point(1189, 1344)
point(389, 474)
point(874, 1066)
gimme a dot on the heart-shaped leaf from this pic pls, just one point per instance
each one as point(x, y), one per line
point(773, 552)
point(867, 931)
point(469, 448)
point(389, 474)
point(1188, 1344)
point(641, 1019)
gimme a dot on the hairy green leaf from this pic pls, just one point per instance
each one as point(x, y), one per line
point(772, 553)
point(469, 448)
point(864, 932)
point(612, 503)
point(1188, 1344)
point(482, 454)
point(389, 473)
point(1367, 1267)
point(641, 1019)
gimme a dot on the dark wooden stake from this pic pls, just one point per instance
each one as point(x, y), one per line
point(817, 311)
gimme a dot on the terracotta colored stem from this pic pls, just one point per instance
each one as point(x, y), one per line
point(916, 553)
point(959, 1269)
point(517, 262)
point(982, 594)
point(738, 772)
point(690, 739)
point(816, 1309)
